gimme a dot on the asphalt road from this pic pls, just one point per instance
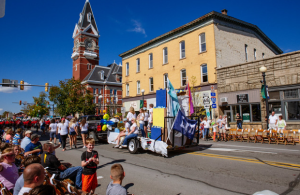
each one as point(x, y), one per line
point(211, 168)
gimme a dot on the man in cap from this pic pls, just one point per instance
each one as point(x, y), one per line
point(34, 147)
point(26, 140)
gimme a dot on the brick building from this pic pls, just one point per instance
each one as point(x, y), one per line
point(105, 82)
point(239, 90)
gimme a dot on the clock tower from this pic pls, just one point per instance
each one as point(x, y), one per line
point(86, 49)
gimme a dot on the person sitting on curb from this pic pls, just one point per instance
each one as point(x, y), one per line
point(34, 147)
point(34, 176)
point(55, 167)
point(132, 134)
point(26, 162)
point(117, 175)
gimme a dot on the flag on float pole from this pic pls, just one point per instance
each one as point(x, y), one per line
point(191, 105)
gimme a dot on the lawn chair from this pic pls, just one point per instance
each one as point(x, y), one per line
point(273, 137)
point(296, 136)
point(266, 136)
point(239, 135)
point(290, 138)
point(259, 136)
point(252, 136)
point(281, 137)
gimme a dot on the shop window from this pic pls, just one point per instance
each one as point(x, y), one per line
point(246, 113)
point(235, 109)
point(256, 112)
point(290, 94)
point(292, 110)
point(276, 107)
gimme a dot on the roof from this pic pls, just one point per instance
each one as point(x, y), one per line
point(83, 20)
point(206, 17)
point(108, 74)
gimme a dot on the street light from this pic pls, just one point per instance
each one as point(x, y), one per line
point(143, 91)
point(263, 70)
point(100, 97)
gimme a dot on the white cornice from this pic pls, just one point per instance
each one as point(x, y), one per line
point(90, 26)
point(99, 82)
point(74, 33)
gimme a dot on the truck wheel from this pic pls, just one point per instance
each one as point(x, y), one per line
point(132, 146)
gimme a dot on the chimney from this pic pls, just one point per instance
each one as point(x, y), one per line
point(224, 11)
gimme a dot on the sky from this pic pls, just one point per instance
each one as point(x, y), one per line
point(36, 36)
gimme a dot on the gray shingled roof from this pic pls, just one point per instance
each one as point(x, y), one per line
point(108, 76)
point(87, 9)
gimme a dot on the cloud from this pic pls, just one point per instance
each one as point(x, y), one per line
point(138, 28)
point(14, 89)
point(1, 109)
point(287, 50)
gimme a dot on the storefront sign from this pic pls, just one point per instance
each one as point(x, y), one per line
point(242, 98)
point(246, 117)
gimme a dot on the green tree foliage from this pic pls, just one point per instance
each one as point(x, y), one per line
point(4, 114)
point(39, 108)
point(72, 97)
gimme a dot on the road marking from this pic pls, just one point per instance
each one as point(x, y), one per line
point(257, 147)
point(99, 177)
point(280, 164)
point(236, 150)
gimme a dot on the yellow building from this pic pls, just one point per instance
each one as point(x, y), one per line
point(192, 50)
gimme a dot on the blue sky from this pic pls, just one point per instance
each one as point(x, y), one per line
point(36, 36)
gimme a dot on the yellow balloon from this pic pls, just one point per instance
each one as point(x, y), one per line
point(104, 127)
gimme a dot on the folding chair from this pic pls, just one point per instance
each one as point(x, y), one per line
point(259, 136)
point(273, 137)
point(266, 136)
point(281, 137)
point(245, 136)
point(239, 135)
point(296, 133)
point(289, 138)
point(252, 136)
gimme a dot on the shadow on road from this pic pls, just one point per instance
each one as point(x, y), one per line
point(173, 153)
point(112, 162)
point(127, 186)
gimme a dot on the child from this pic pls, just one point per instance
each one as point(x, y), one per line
point(17, 137)
point(8, 169)
point(117, 174)
point(89, 160)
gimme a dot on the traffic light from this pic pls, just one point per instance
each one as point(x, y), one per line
point(20, 102)
point(48, 104)
point(46, 87)
point(22, 85)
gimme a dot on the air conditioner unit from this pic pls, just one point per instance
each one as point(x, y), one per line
point(224, 99)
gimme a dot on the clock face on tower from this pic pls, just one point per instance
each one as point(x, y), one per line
point(89, 44)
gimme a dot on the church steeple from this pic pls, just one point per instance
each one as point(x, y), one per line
point(86, 50)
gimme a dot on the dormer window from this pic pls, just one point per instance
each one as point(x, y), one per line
point(80, 19)
point(102, 75)
point(89, 17)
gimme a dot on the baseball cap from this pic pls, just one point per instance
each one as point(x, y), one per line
point(28, 132)
point(34, 136)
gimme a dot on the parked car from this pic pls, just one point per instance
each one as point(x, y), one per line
point(95, 127)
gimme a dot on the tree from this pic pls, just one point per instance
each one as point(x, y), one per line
point(5, 113)
point(39, 108)
point(72, 97)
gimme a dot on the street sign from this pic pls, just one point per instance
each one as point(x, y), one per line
point(214, 105)
point(213, 100)
point(6, 81)
point(212, 88)
point(212, 94)
point(206, 106)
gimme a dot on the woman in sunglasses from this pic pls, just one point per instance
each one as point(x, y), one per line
point(8, 169)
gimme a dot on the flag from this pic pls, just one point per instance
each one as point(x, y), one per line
point(174, 104)
point(184, 125)
point(191, 105)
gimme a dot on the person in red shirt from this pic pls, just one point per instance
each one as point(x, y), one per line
point(47, 122)
point(29, 124)
point(6, 123)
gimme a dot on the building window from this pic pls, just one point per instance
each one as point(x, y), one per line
point(89, 17)
point(151, 85)
point(235, 110)
point(138, 87)
point(120, 79)
point(254, 54)
point(183, 77)
point(165, 55)
point(291, 94)
point(138, 65)
point(150, 60)
point(246, 52)
point(127, 69)
point(127, 89)
point(204, 76)
point(256, 112)
point(263, 55)
point(89, 66)
point(246, 113)
point(292, 110)
point(182, 49)
point(95, 90)
point(165, 80)
point(102, 75)
point(202, 42)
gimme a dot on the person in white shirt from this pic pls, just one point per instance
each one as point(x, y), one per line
point(131, 114)
point(64, 131)
point(84, 131)
point(206, 124)
point(122, 133)
point(273, 121)
point(58, 131)
point(150, 119)
point(53, 129)
point(134, 130)
point(141, 117)
point(34, 176)
point(146, 121)
point(73, 132)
